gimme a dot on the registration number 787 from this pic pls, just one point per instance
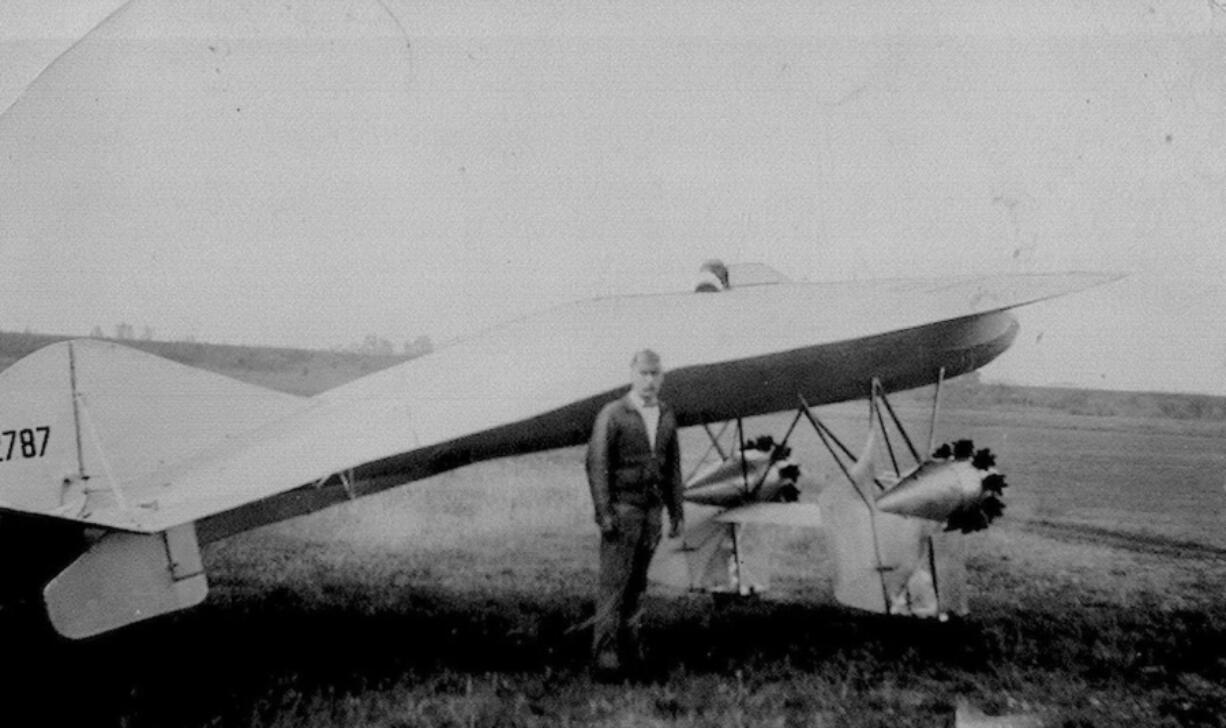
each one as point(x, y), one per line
point(24, 443)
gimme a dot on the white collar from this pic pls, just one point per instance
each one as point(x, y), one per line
point(638, 402)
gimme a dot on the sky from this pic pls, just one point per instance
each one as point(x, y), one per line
point(307, 173)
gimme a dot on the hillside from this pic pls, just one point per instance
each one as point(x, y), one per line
point(965, 393)
point(307, 372)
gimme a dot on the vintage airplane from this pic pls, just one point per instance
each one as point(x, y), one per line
point(116, 464)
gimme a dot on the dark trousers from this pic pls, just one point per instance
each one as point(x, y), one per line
point(624, 558)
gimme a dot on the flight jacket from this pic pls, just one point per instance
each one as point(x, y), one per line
point(622, 467)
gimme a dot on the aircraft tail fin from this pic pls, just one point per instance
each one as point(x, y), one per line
point(80, 421)
point(38, 443)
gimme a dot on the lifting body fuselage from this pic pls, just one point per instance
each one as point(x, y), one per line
point(822, 374)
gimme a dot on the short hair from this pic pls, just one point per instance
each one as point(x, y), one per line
point(647, 355)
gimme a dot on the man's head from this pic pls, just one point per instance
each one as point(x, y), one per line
point(646, 375)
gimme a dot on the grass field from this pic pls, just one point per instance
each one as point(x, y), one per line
point(1099, 600)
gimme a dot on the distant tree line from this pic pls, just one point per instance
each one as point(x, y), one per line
point(370, 345)
point(124, 332)
point(375, 345)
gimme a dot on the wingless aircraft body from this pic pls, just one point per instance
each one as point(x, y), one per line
point(117, 465)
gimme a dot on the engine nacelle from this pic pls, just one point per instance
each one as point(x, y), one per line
point(754, 476)
point(956, 488)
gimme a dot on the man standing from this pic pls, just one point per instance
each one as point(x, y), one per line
point(634, 470)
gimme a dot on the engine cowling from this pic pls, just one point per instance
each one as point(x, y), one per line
point(955, 486)
point(752, 476)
